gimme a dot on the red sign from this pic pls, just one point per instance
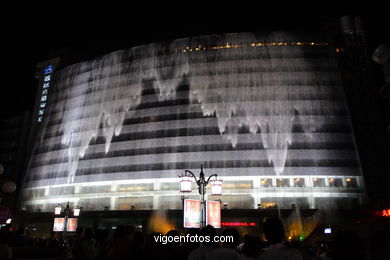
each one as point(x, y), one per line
point(238, 224)
point(192, 213)
point(213, 213)
point(59, 224)
point(71, 225)
point(383, 213)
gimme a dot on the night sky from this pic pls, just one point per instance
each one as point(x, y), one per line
point(32, 34)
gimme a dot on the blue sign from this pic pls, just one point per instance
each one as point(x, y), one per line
point(48, 69)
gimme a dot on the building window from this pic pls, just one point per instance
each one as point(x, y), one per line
point(351, 182)
point(335, 182)
point(282, 182)
point(299, 182)
point(266, 182)
point(318, 182)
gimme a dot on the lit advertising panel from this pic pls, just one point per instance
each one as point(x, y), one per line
point(71, 225)
point(59, 224)
point(213, 213)
point(192, 213)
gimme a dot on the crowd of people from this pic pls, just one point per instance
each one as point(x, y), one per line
point(126, 242)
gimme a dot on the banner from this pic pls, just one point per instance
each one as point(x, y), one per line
point(71, 225)
point(59, 224)
point(192, 213)
point(213, 213)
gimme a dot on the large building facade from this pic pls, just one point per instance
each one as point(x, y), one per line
point(266, 112)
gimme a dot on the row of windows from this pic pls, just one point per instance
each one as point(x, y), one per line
point(175, 202)
point(91, 155)
point(319, 98)
point(317, 182)
point(298, 182)
point(124, 81)
point(217, 164)
point(252, 44)
point(338, 112)
point(181, 132)
point(130, 57)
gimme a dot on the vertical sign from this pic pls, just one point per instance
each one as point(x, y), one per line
point(213, 213)
point(45, 73)
point(71, 225)
point(47, 76)
point(192, 213)
point(59, 224)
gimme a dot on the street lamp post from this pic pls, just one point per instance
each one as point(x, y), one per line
point(58, 209)
point(185, 186)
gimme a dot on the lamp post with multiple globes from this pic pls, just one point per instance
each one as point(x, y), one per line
point(67, 211)
point(202, 182)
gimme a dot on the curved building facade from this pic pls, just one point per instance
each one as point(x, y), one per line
point(267, 113)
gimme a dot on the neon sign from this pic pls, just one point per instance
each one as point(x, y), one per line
point(383, 213)
point(48, 69)
point(238, 224)
point(45, 91)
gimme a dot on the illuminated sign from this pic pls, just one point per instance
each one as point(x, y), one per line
point(192, 213)
point(383, 213)
point(48, 69)
point(59, 224)
point(71, 225)
point(213, 213)
point(238, 224)
point(45, 91)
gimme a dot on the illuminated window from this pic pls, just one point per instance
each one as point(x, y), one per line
point(335, 182)
point(282, 182)
point(266, 182)
point(318, 182)
point(46, 85)
point(47, 78)
point(351, 182)
point(299, 182)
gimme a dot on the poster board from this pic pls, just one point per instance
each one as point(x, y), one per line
point(192, 213)
point(59, 224)
point(71, 225)
point(213, 213)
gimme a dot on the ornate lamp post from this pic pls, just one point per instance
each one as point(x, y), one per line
point(58, 210)
point(185, 186)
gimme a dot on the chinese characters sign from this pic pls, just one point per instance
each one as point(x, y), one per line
point(192, 213)
point(47, 77)
point(71, 225)
point(213, 213)
point(59, 224)
point(383, 213)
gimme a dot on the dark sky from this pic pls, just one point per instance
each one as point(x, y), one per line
point(31, 34)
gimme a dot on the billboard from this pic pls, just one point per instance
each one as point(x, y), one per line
point(59, 224)
point(71, 225)
point(192, 213)
point(213, 213)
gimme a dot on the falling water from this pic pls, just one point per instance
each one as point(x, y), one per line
point(245, 105)
point(256, 90)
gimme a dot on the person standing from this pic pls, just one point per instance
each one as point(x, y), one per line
point(274, 233)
